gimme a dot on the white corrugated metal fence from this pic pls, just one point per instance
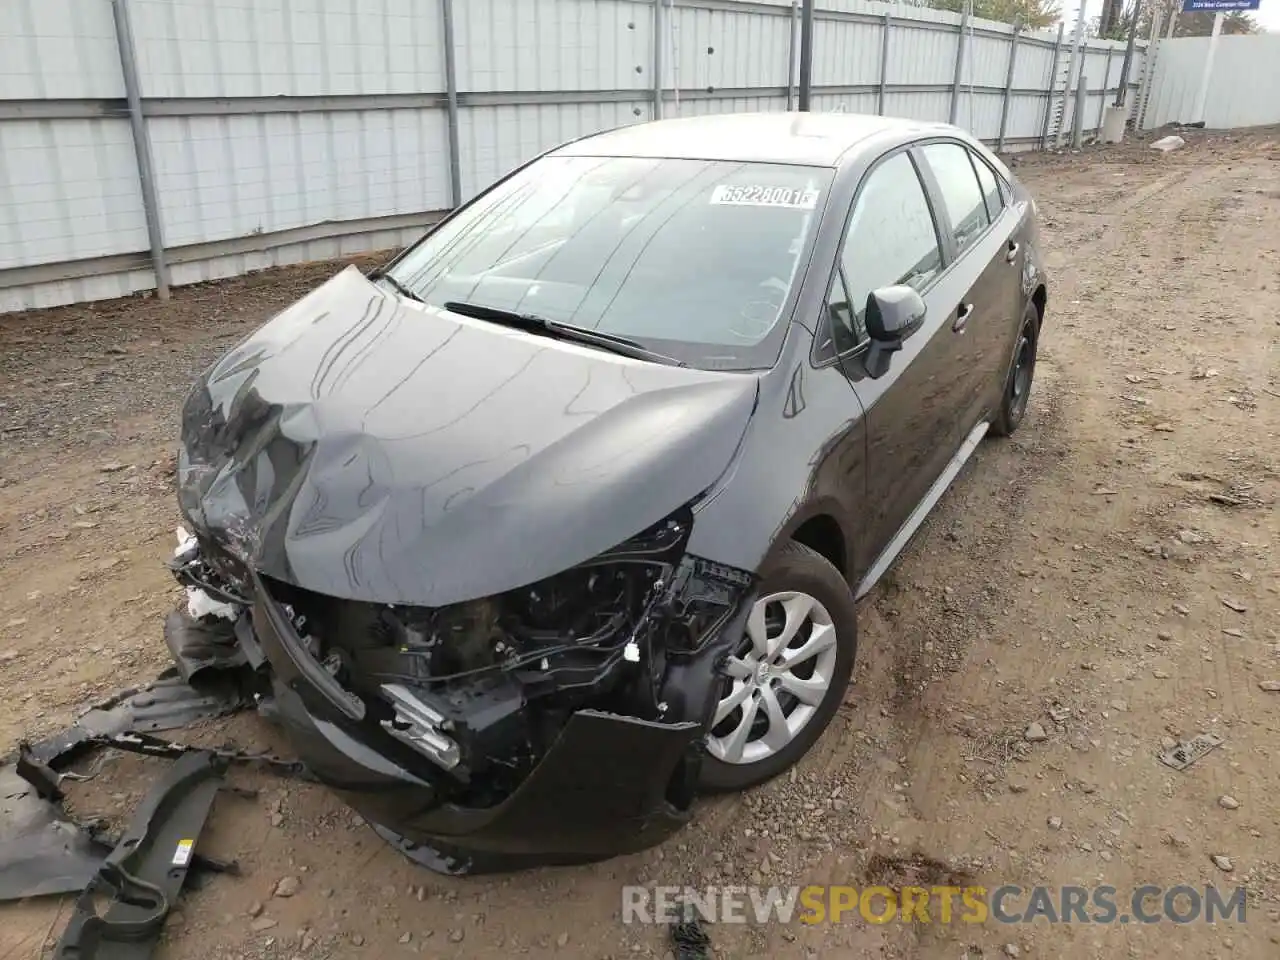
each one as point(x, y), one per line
point(284, 130)
point(1244, 84)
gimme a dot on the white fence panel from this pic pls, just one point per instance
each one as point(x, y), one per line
point(265, 48)
point(1026, 116)
point(1035, 63)
point(919, 106)
point(920, 56)
point(67, 191)
point(980, 113)
point(848, 53)
point(553, 44)
point(495, 140)
point(58, 49)
point(844, 102)
point(713, 49)
point(986, 61)
point(1244, 87)
point(286, 129)
point(702, 106)
point(221, 177)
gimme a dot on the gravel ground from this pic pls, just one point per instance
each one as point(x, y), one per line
point(1099, 585)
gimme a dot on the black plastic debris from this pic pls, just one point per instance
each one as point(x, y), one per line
point(46, 781)
point(45, 852)
point(166, 704)
point(42, 852)
point(198, 646)
point(145, 871)
point(1185, 754)
point(151, 746)
point(689, 939)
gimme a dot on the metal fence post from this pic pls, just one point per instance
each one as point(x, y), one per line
point(806, 55)
point(1077, 114)
point(141, 146)
point(658, 19)
point(1008, 85)
point(451, 93)
point(955, 81)
point(1106, 79)
point(1053, 84)
point(884, 62)
point(1122, 90)
point(1149, 56)
point(792, 52)
point(1080, 51)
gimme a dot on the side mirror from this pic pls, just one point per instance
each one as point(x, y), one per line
point(893, 314)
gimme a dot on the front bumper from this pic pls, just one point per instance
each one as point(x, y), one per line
point(608, 785)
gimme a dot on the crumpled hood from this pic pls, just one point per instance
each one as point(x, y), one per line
point(369, 447)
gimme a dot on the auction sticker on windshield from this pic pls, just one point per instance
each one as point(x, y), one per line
point(743, 195)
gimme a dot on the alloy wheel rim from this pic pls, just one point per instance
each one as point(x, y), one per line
point(777, 681)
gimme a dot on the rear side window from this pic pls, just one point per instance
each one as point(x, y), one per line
point(891, 240)
point(990, 188)
point(966, 213)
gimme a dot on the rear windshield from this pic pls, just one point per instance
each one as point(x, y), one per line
point(695, 259)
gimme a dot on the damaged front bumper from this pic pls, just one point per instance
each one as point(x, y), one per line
point(505, 768)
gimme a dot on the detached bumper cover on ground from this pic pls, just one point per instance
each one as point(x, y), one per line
point(473, 607)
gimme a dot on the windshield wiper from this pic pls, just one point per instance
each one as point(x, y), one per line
point(562, 331)
point(399, 287)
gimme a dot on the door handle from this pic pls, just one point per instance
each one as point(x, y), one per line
point(1012, 255)
point(963, 313)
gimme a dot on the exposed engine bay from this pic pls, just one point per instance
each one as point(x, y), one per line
point(480, 690)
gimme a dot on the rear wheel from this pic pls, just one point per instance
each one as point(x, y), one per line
point(1017, 384)
point(784, 682)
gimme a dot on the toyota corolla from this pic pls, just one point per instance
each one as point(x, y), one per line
point(561, 516)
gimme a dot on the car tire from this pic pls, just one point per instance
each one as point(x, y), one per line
point(795, 577)
point(1020, 375)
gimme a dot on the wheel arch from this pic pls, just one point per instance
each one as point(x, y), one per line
point(1040, 300)
point(817, 526)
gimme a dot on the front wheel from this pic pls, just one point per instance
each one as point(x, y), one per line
point(783, 684)
point(1017, 383)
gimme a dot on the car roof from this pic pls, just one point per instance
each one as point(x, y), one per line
point(809, 139)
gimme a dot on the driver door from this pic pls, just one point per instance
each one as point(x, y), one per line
point(910, 413)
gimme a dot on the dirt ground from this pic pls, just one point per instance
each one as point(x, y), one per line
point(1110, 574)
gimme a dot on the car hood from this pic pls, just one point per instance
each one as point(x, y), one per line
point(369, 447)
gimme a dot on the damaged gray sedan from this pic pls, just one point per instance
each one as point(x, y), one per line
point(560, 518)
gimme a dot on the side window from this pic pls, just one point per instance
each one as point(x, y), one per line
point(891, 240)
point(961, 195)
point(990, 189)
point(847, 329)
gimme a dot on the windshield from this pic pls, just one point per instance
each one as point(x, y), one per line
point(694, 259)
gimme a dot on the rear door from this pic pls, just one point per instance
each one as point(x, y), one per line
point(891, 238)
point(997, 339)
point(978, 234)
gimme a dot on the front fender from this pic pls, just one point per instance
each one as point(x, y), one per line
point(804, 454)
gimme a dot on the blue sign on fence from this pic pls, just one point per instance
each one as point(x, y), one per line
point(1218, 6)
